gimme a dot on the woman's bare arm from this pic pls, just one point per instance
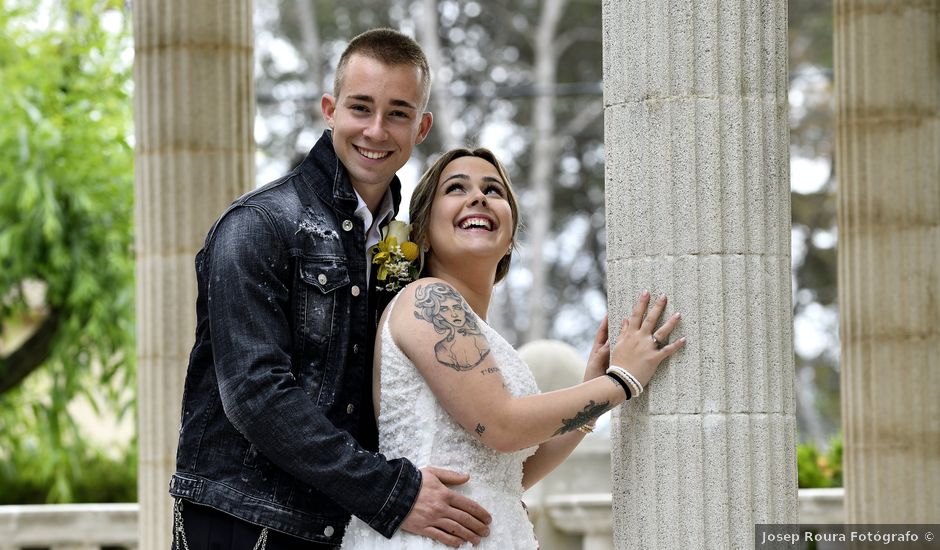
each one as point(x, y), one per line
point(454, 357)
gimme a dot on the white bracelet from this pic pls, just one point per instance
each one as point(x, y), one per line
point(621, 375)
point(625, 375)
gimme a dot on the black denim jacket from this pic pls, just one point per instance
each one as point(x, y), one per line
point(277, 420)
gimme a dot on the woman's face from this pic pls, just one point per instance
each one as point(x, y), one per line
point(471, 220)
point(453, 312)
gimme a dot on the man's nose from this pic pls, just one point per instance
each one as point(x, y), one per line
point(376, 128)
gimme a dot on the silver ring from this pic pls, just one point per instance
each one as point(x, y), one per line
point(659, 345)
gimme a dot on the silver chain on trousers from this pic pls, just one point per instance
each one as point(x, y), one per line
point(179, 533)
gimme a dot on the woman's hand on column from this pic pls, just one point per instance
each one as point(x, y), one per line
point(641, 347)
point(600, 354)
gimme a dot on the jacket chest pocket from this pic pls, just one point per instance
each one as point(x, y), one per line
point(322, 312)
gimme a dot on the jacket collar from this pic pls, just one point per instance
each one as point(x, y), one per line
point(322, 172)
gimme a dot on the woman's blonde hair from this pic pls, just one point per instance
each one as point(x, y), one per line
point(423, 198)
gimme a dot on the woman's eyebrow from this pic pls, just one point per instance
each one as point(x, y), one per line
point(488, 179)
point(456, 176)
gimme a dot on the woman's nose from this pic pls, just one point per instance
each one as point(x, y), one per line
point(478, 198)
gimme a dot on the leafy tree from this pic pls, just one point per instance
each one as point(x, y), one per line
point(66, 196)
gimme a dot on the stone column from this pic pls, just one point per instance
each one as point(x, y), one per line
point(887, 63)
point(698, 207)
point(194, 107)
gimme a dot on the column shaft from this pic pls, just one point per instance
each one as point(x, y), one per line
point(888, 165)
point(698, 207)
point(194, 104)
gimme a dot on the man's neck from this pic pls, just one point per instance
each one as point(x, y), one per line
point(372, 195)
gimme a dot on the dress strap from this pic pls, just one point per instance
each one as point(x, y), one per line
point(384, 330)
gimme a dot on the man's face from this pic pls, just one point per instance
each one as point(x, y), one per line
point(376, 120)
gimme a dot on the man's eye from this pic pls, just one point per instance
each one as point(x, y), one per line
point(360, 108)
point(399, 114)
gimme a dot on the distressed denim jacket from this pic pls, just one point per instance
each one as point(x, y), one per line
point(277, 420)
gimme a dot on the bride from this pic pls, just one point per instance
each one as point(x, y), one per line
point(449, 391)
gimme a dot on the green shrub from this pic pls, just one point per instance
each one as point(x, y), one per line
point(27, 477)
point(816, 469)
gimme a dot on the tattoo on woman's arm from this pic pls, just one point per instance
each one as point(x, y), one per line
point(464, 346)
point(480, 429)
point(588, 414)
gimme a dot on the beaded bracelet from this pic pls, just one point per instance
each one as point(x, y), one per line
point(586, 428)
point(622, 384)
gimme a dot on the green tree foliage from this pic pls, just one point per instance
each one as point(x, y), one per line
point(66, 213)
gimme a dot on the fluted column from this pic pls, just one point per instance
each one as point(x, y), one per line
point(698, 207)
point(888, 164)
point(194, 105)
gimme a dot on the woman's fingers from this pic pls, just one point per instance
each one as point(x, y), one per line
point(601, 335)
point(672, 347)
point(663, 332)
point(650, 322)
point(639, 309)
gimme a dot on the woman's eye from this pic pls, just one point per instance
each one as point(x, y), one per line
point(453, 187)
point(494, 190)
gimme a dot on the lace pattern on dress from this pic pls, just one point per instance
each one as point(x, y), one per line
point(413, 424)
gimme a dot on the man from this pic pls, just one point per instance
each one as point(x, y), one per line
point(278, 432)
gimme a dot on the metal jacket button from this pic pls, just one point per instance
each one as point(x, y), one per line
point(322, 279)
point(347, 225)
point(354, 290)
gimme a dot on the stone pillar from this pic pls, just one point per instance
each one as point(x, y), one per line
point(194, 107)
point(698, 207)
point(887, 63)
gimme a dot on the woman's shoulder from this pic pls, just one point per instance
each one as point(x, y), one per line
point(427, 281)
point(414, 292)
point(421, 288)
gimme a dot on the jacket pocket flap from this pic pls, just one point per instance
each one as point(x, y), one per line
point(327, 274)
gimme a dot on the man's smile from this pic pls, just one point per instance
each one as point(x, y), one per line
point(372, 153)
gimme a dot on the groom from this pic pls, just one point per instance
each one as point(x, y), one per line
point(278, 437)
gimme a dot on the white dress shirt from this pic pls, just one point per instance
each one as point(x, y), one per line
point(371, 226)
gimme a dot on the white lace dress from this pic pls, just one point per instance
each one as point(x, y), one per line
point(413, 424)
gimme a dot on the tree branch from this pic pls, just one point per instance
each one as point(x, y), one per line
point(585, 118)
point(578, 34)
point(15, 367)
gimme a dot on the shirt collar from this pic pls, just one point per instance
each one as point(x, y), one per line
point(386, 210)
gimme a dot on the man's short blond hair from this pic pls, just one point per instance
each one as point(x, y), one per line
point(391, 48)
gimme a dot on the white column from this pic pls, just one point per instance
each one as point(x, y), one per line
point(194, 107)
point(698, 207)
point(888, 165)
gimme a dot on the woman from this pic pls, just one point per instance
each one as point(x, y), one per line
point(449, 391)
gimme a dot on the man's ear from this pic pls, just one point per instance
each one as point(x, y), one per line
point(425, 127)
point(328, 107)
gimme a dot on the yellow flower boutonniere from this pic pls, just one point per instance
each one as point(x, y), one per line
point(395, 255)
